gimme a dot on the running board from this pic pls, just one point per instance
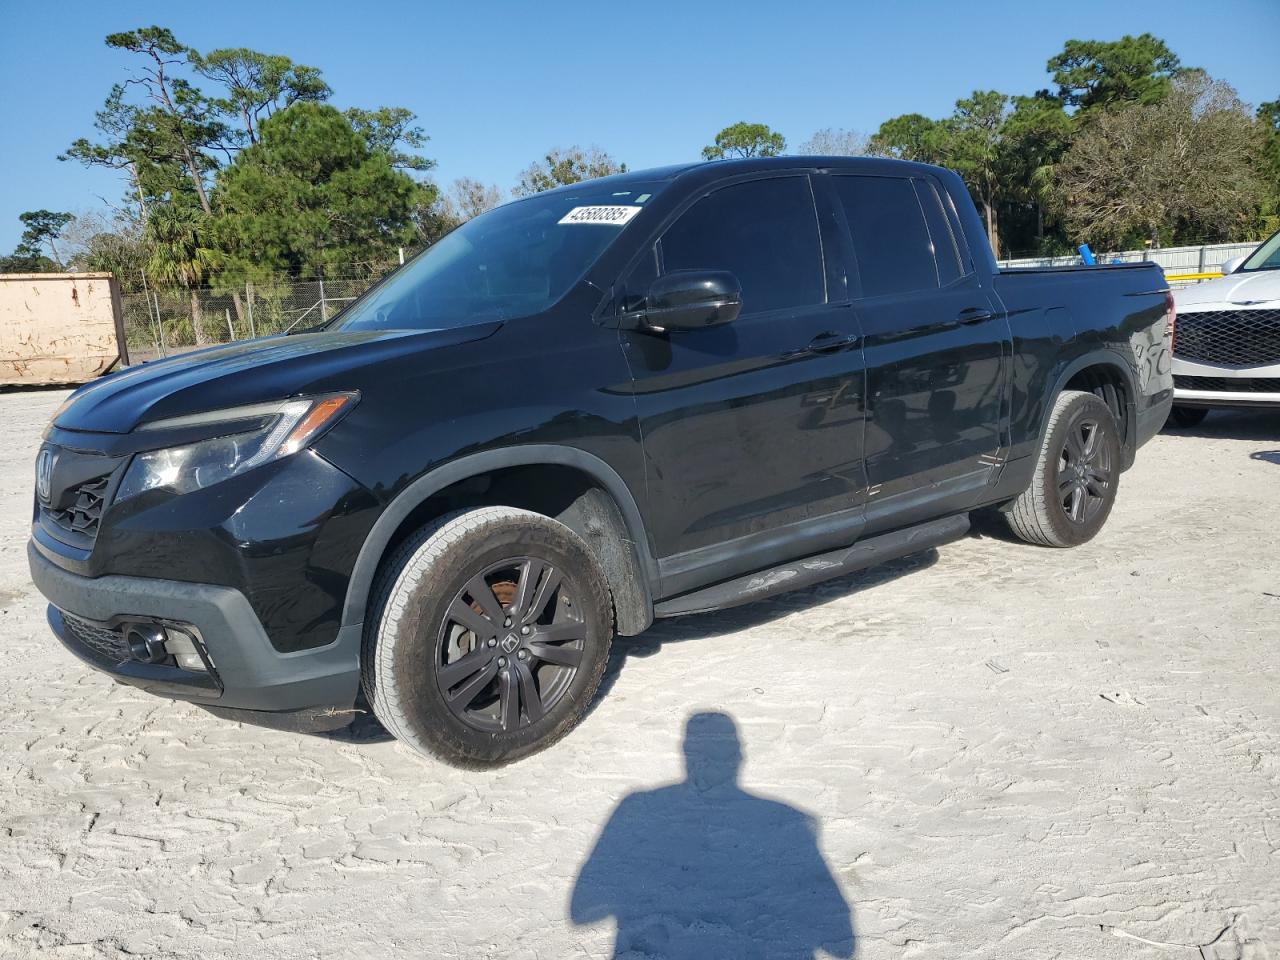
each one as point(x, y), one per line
point(815, 569)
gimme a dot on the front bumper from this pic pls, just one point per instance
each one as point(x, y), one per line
point(248, 673)
point(1212, 385)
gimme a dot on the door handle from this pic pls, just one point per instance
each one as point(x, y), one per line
point(974, 315)
point(831, 341)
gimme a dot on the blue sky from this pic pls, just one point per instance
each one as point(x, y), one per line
point(497, 84)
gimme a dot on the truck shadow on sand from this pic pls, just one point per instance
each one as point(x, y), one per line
point(1259, 424)
point(702, 868)
point(698, 626)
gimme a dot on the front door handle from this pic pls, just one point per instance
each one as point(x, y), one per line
point(831, 341)
point(974, 315)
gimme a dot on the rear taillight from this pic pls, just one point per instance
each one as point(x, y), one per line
point(1170, 317)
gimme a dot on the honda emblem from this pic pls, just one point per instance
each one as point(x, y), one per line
point(44, 474)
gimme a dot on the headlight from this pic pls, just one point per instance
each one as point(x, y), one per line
point(289, 426)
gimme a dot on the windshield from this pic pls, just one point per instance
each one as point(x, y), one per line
point(1266, 257)
point(515, 260)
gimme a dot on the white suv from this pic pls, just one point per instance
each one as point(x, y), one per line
point(1226, 350)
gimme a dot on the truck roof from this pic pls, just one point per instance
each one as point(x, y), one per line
point(715, 169)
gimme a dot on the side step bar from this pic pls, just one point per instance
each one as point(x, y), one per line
point(815, 569)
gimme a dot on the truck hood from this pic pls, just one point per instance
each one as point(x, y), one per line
point(250, 371)
point(1236, 290)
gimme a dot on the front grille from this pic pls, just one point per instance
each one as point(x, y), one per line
point(1236, 337)
point(85, 512)
point(106, 643)
point(1228, 384)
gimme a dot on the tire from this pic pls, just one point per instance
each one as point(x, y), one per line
point(442, 669)
point(1076, 478)
point(1186, 417)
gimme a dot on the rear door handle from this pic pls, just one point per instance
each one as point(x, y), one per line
point(974, 315)
point(831, 341)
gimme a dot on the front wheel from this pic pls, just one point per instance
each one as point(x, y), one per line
point(1186, 417)
point(489, 634)
point(1076, 477)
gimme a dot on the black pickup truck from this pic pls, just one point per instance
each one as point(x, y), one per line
point(648, 395)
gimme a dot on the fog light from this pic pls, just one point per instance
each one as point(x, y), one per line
point(182, 647)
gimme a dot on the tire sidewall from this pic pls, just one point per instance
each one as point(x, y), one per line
point(411, 621)
point(1085, 406)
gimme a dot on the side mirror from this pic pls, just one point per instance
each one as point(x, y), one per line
point(691, 299)
point(1232, 265)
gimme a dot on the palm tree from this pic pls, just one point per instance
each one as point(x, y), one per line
point(179, 256)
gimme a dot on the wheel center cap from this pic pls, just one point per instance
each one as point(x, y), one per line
point(509, 642)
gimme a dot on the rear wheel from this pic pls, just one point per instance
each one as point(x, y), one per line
point(1076, 477)
point(1185, 417)
point(489, 635)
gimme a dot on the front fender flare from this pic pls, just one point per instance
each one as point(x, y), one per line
point(430, 483)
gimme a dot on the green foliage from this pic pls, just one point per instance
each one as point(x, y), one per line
point(566, 165)
point(251, 171)
point(179, 251)
point(121, 252)
point(1186, 166)
point(27, 260)
point(239, 170)
point(1093, 73)
point(973, 145)
point(312, 195)
point(169, 134)
point(911, 136)
point(745, 140)
point(257, 84)
point(392, 131)
point(180, 255)
point(1010, 150)
point(153, 41)
point(1269, 121)
point(42, 228)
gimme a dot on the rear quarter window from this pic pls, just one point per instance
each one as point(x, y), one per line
point(945, 253)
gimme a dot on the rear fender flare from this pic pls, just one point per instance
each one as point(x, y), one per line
point(1097, 358)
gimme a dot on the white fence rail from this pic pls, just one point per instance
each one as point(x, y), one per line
point(1202, 259)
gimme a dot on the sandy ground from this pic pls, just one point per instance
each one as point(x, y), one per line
point(993, 750)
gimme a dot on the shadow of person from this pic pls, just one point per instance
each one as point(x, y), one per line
point(703, 869)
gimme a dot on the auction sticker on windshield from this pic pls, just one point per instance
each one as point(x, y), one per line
point(611, 216)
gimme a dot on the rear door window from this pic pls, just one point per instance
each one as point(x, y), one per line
point(765, 232)
point(890, 236)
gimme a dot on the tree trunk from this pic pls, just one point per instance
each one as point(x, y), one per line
point(993, 232)
point(197, 319)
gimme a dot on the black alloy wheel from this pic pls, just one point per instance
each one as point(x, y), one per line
point(1084, 471)
point(1076, 476)
point(510, 645)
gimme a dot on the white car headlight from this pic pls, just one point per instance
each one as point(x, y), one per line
point(289, 426)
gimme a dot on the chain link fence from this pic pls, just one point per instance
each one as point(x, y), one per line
point(159, 322)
